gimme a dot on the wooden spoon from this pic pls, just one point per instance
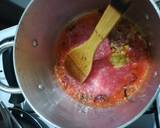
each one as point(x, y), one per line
point(79, 60)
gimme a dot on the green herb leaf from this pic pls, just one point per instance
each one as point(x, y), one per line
point(118, 60)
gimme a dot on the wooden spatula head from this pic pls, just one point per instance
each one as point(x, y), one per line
point(78, 64)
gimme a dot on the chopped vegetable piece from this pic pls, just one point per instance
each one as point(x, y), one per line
point(118, 60)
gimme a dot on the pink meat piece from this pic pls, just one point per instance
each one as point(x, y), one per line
point(106, 80)
point(103, 50)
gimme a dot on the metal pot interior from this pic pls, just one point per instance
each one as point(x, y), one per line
point(34, 55)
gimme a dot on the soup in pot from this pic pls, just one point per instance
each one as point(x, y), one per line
point(121, 63)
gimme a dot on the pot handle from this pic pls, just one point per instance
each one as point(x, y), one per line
point(4, 87)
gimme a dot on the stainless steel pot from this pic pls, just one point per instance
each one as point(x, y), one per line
point(33, 63)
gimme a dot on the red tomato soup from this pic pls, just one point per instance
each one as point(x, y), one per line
point(120, 68)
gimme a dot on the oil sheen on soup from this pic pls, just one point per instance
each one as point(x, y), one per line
point(121, 63)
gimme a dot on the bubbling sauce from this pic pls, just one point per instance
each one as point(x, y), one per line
point(121, 64)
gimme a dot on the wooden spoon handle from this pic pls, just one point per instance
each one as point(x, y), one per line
point(104, 26)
